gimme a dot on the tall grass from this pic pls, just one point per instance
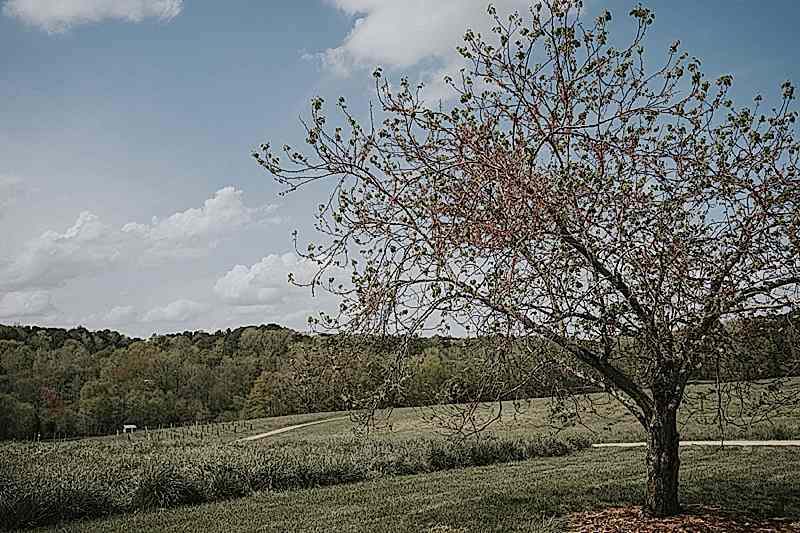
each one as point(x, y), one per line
point(40, 486)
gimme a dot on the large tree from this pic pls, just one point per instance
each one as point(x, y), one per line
point(631, 216)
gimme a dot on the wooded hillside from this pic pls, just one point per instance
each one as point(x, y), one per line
point(74, 382)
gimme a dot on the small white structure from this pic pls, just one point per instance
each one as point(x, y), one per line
point(128, 428)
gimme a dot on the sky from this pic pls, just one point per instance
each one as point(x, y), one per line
point(128, 197)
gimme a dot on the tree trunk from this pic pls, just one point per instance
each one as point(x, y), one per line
point(662, 462)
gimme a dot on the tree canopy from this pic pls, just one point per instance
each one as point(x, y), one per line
point(631, 215)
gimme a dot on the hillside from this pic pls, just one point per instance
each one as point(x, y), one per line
point(60, 383)
point(75, 382)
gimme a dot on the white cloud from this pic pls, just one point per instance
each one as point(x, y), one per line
point(259, 314)
point(25, 304)
point(177, 311)
point(91, 246)
point(56, 16)
point(121, 315)
point(262, 292)
point(403, 34)
point(47, 261)
point(218, 216)
point(116, 316)
point(266, 282)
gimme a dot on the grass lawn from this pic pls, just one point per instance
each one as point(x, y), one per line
point(525, 496)
point(609, 422)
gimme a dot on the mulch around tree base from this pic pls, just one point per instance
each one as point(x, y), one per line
point(693, 520)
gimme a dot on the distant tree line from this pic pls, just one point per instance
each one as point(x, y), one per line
point(78, 382)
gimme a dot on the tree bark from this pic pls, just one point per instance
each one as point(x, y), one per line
point(663, 462)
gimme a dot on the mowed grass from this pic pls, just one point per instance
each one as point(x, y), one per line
point(533, 495)
point(606, 421)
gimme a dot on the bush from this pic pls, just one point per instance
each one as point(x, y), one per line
point(44, 484)
point(771, 432)
point(556, 446)
point(491, 451)
point(444, 455)
point(37, 502)
point(226, 481)
point(285, 471)
point(163, 485)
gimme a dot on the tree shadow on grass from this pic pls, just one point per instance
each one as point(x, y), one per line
point(758, 498)
point(533, 507)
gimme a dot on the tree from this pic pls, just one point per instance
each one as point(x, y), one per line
point(100, 404)
point(17, 419)
point(626, 215)
point(272, 395)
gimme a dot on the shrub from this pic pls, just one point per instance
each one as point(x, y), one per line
point(36, 502)
point(226, 481)
point(442, 456)
point(490, 451)
point(163, 485)
point(335, 469)
point(46, 485)
point(771, 432)
point(550, 446)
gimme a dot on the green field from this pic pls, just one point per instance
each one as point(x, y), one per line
point(284, 482)
point(609, 422)
point(526, 496)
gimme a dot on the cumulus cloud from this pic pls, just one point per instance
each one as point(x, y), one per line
point(116, 316)
point(404, 34)
point(266, 282)
point(87, 247)
point(177, 311)
point(25, 304)
point(57, 16)
point(262, 292)
point(90, 246)
point(219, 215)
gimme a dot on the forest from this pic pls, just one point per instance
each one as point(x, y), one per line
point(58, 383)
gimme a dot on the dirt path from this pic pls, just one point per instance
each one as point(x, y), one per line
point(705, 443)
point(289, 428)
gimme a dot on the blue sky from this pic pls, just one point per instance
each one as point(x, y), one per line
point(118, 111)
